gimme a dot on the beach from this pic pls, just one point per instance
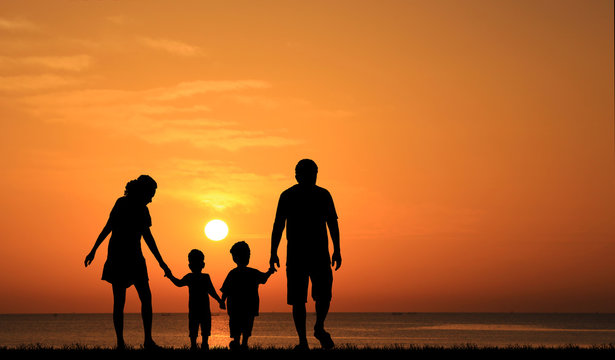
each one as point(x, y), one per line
point(377, 335)
point(393, 352)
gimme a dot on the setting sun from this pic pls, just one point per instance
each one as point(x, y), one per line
point(216, 230)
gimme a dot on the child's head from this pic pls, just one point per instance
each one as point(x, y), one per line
point(196, 260)
point(241, 253)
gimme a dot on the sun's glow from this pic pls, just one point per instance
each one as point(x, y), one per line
point(216, 230)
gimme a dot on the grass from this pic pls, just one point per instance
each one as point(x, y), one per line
point(380, 353)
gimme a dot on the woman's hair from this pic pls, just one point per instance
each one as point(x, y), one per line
point(142, 185)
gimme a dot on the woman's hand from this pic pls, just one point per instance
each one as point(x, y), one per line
point(166, 269)
point(89, 258)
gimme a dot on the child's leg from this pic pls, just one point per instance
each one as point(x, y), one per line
point(248, 323)
point(205, 331)
point(205, 343)
point(193, 327)
point(235, 330)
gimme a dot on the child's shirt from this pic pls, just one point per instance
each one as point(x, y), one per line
point(241, 288)
point(200, 288)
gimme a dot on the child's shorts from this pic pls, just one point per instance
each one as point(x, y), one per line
point(202, 320)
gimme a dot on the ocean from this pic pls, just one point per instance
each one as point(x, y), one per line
point(357, 329)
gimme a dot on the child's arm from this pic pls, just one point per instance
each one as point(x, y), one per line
point(214, 294)
point(176, 281)
point(223, 301)
point(267, 275)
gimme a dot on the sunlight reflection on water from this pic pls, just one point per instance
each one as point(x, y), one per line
point(358, 329)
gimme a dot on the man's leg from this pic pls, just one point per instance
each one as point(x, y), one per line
point(297, 281)
point(322, 309)
point(299, 318)
point(322, 282)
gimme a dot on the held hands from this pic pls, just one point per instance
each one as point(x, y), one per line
point(336, 260)
point(273, 261)
point(167, 271)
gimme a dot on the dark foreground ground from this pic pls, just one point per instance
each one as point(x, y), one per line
point(344, 352)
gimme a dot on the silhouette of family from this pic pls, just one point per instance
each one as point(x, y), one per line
point(305, 210)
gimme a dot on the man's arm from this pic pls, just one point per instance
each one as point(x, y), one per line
point(276, 235)
point(334, 230)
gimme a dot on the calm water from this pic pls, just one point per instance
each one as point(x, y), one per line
point(360, 329)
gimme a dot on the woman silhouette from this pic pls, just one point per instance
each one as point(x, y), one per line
point(125, 266)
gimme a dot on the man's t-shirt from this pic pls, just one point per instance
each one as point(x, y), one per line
point(306, 210)
point(241, 288)
point(199, 289)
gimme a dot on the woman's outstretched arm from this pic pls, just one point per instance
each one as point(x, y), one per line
point(103, 235)
point(151, 244)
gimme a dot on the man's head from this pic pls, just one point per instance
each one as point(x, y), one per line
point(306, 171)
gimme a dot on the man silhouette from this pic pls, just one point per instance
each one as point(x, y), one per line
point(306, 210)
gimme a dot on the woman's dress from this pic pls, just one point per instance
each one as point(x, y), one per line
point(125, 263)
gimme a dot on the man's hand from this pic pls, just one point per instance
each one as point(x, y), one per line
point(271, 270)
point(274, 260)
point(336, 260)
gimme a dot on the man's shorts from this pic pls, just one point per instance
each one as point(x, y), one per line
point(298, 277)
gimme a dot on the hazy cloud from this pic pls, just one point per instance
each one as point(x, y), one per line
point(227, 138)
point(68, 63)
point(171, 46)
point(258, 101)
point(117, 19)
point(16, 25)
point(218, 185)
point(34, 82)
point(142, 114)
point(192, 88)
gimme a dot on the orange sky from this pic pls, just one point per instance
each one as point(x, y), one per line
point(469, 146)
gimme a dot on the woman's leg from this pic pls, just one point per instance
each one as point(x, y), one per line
point(119, 299)
point(145, 295)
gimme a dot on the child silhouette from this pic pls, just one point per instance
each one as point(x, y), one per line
point(240, 290)
point(199, 290)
